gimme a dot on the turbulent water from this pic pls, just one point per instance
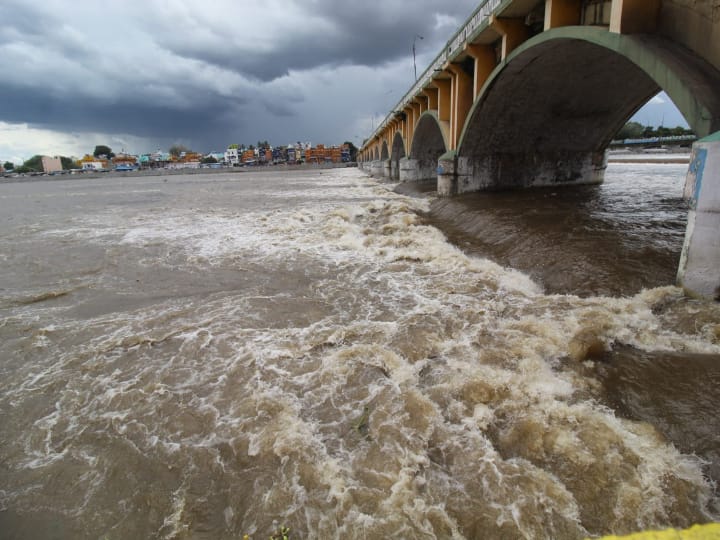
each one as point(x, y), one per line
point(209, 356)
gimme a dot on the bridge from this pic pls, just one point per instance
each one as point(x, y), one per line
point(531, 93)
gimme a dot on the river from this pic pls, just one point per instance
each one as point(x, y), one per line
point(208, 356)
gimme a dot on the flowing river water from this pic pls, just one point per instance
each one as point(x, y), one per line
point(207, 356)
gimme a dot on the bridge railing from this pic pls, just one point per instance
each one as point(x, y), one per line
point(478, 17)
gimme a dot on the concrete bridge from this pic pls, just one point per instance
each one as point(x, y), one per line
point(531, 92)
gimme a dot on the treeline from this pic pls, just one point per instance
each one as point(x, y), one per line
point(34, 164)
point(635, 130)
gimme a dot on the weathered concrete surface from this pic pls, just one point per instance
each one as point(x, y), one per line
point(447, 178)
point(409, 170)
point(395, 169)
point(548, 114)
point(376, 168)
point(428, 144)
point(386, 165)
point(398, 152)
point(524, 170)
point(699, 271)
point(695, 24)
point(555, 125)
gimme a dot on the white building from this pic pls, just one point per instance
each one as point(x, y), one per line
point(233, 155)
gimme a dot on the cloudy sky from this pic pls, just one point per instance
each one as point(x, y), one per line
point(142, 75)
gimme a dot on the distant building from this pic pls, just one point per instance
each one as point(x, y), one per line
point(125, 162)
point(233, 155)
point(89, 162)
point(51, 164)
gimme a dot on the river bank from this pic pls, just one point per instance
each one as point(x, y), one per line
point(264, 169)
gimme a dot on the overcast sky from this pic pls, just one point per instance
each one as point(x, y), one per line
point(142, 75)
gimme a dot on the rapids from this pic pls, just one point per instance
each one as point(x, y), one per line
point(215, 355)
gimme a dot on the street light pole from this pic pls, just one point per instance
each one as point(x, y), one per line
point(414, 64)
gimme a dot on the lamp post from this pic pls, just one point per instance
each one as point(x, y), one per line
point(417, 36)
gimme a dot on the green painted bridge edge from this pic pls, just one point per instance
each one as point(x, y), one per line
point(714, 137)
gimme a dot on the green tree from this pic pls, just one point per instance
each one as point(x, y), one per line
point(209, 159)
point(67, 163)
point(102, 150)
point(177, 149)
point(8, 165)
point(34, 164)
point(353, 150)
point(631, 130)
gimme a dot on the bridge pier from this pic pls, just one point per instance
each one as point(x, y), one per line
point(447, 178)
point(395, 169)
point(460, 174)
point(409, 170)
point(699, 272)
point(387, 168)
point(376, 168)
point(418, 170)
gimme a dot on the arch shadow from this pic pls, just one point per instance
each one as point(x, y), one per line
point(546, 114)
point(398, 152)
point(429, 142)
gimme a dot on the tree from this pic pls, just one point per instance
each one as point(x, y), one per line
point(102, 150)
point(353, 150)
point(177, 149)
point(631, 130)
point(34, 164)
point(67, 163)
point(8, 165)
point(209, 159)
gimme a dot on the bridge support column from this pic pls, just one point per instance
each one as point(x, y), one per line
point(447, 179)
point(418, 170)
point(395, 169)
point(376, 168)
point(409, 170)
point(699, 272)
point(516, 171)
point(386, 167)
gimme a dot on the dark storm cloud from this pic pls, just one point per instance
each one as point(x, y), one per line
point(182, 69)
point(368, 34)
point(35, 107)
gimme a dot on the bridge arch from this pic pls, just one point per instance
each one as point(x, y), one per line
point(547, 113)
point(398, 152)
point(376, 154)
point(384, 153)
point(429, 142)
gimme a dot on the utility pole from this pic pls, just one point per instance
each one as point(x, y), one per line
point(417, 36)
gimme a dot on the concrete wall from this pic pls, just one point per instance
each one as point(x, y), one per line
point(532, 169)
point(694, 24)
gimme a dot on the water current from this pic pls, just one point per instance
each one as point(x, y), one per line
point(207, 356)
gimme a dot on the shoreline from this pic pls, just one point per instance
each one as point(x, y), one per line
point(175, 172)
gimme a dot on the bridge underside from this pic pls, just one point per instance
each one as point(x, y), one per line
point(554, 127)
point(427, 147)
point(548, 115)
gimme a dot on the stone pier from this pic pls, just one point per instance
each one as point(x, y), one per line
point(457, 175)
point(416, 170)
point(699, 272)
